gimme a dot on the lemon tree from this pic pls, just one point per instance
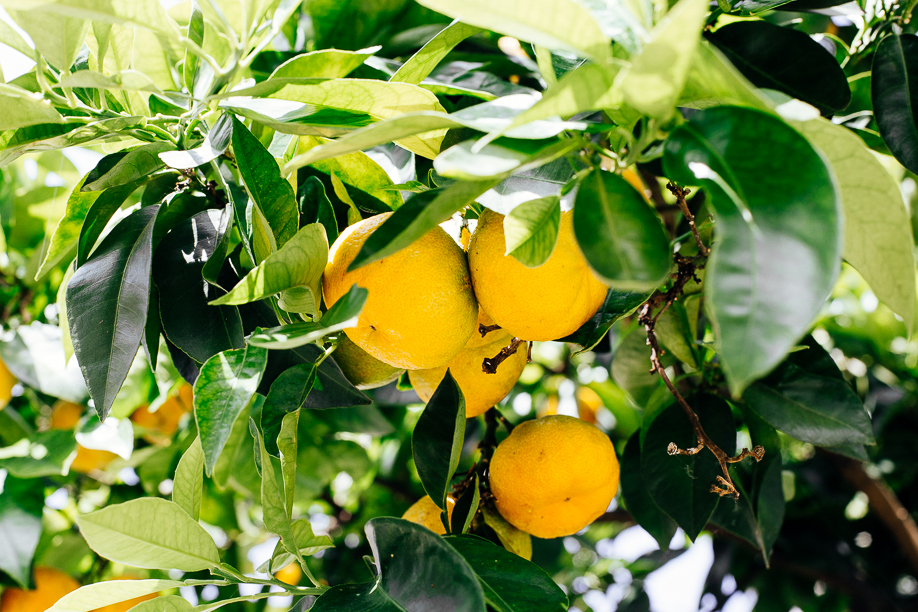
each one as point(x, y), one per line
point(437, 304)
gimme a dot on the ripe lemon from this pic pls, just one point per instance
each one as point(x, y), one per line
point(425, 512)
point(421, 309)
point(50, 585)
point(554, 476)
point(362, 369)
point(124, 606)
point(162, 424)
point(66, 415)
point(481, 390)
point(7, 382)
point(291, 574)
point(544, 303)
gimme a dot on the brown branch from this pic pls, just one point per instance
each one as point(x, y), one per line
point(680, 193)
point(484, 330)
point(885, 504)
point(489, 364)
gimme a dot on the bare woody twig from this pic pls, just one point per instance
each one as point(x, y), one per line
point(680, 193)
point(489, 364)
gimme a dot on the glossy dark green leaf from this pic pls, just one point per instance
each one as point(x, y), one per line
point(107, 300)
point(785, 59)
point(288, 393)
point(779, 232)
point(216, 143)
point(222, 391)
point(808, 398)
point(332, 388)
point(621, 236)
point(152, 329)
point(189, 321)
point(510, 583)
point(315, 207)
point(531, 230)
point(136, 165)
point(100, 212)
point(261, 175)
point(46, 453)
point(644, 510)
point(416, 571)
point(617, 305)
point(681, 484)
point(214, 264)
point(894, 90)
point(437, 439)
point(418, 216)
point(21, 506)
point(466, 508)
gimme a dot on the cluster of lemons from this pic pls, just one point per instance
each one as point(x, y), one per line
point(433, 307)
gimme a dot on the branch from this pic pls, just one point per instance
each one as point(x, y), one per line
point(680, 193)
point(886, 505)
point(489, 364)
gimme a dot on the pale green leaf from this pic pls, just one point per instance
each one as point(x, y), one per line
point(298, 263)
point(422, 63)
point(62, 246)
point(323, 64)
point(138, 164)
point(556, 24)
point(263, 242)
point(168, 603)
point(56, 37)
point(147, 14)
point(878, 237)
point(151, 533)
point(223, 389)
point(125, 79)
point(21, 108)
point(188, 484)
point(464, 162)
point(531, 230)
point(94, 596)
point(656, 76)
point(307, 543)
point(12, 38)
point(714, 81)
point(286, 446)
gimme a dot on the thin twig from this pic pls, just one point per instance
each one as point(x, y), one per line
point(484, 330)
point(489, 364)
point(680, 193)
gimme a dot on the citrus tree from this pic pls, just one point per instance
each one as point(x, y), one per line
point(524, 274)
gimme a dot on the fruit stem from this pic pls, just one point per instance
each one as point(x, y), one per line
point(489, 364)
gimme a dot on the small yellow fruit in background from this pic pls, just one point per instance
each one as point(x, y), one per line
point(124, 606)
point(588, 404)
point(481, 390)
point(544, 303)
point(554, 476)
point(425, 512)
point(162, 424)
point(420, 311)
point(290, 574)
point(50, 585)
point(361, 368)
point(66, 415)
point(7, 382)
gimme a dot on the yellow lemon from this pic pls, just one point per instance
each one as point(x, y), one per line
point(66, 415)
point(162, 424)
point(50, 585)
point(481, 390)
point(420, 311)
point(425, 512)
point(7, 382)
point(544, 303)
point(362, 369)
point(554, 476)
point(290, 574)
point(124, 606)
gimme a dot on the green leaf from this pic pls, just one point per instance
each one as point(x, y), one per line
point(631, 368)
point(298, 263)
point(195, 35)
point(556, 24)
point(167, 603)
point(35, 355)
point(66, 234)
point(808, 398)
point(465, 509)
point(357, 170)
point(515, 540)
point(322, 64)
point(878, 237)
point(93, 596)
point(437, 439)
point(621, 237)
point(510, 583)
point(216, 143)
point(137, 164)
point(416, 570)
point(714, 81)
point(199, 329)
point(107, 302)
point(226, 465)
point(657, 75)
point(421, 64)
point(20, 108)
point(114, 435)
point(288, 393)
point(21, 506)
point(378, 99)
point(779, 232)
point(643, 509)
point(133, 533)
point(222, 391)
point(57, 38)
point(96, 219)
point(53, 135)
point(188, 484)
point(418, 216)
point(618, 304)
point(893, 89)
point(350, 24)
point(342, 315)
point(787, 60)
point(272, 194)
point(14, 40)
point(464, 161)
point(47, 453)
point(287, 443)
point(306, 542)
point(147, 14)
point(127, 80)
point(531, 230)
